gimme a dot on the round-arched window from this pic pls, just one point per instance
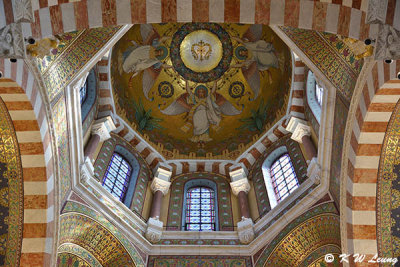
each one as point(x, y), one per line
point(117, 176)
point(200, 209)
point(283, 177)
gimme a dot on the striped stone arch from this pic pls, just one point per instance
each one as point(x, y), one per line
point(22, 98)
point(371, 109)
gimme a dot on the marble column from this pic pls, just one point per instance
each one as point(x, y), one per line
point(100, 132)
point(159, 186)
point(240, 187)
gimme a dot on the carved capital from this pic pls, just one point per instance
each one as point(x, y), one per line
point(240, 185)
point(160, 185)
point(387, 43)
point(154, 230)
point(237, 174)
point(300, 131)
point(314, 171)
point(87, 170)
point(12, 41)
point(103, 127)
point(293, 122)
point(245, 230)
point(23, 11)
point(163, 174)
point(377, 11)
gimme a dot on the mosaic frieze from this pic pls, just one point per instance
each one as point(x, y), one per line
point(71, 260)
point(11, 192)
point(75, 207)
point(176, 207)
point(340, 119)
point(203, 242)
point(331, 56)
point(71, 60)
point(388, 191)
point(302, 240)
point(257, 176)
point(79, 252)
point(144, 176)
point(61, 132)
point(199, 261)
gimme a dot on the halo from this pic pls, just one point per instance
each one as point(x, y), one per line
point(238, 50)
point(164, 52)
point(201, 86)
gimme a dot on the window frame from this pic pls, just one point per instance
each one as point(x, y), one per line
point(274, 178)
point(312, 101)
point(90, 99)
point(200, 183)
point(127, 175)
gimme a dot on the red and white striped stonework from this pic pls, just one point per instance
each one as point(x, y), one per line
point(23, 100)
point(344, 17)
point(379, 96)
point(297, 104)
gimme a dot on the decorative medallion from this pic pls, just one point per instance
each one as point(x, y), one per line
point(165, 89)
point(236, 90)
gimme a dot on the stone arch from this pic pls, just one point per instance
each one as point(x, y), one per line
point(371, 109)
point(347, 19)
point(24, 102)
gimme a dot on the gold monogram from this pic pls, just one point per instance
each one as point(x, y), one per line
point(201, 50)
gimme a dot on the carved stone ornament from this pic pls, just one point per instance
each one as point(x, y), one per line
point(237, 174)
point(12, 41)
point(163, 174)
point(154, 230)
point(293, 122)
point(160, 185)
point(23, 10)
point(314, 171)
point(300, 131)
point(377, 11)
point(103, 127)
point(87, 170)
point(245, 230)
point(387, 43)
point(240, 185)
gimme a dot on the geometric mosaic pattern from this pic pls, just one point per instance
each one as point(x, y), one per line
point(199, 261)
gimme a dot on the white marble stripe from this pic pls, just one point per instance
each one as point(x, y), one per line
point(297, 114)
point(260, 147)
point(299, 70)
point(33, 245)
point(298, 86)
point(282, 129)
point(38, 104)
point(381, 75)
point(277, 12)
point(129, 136)
point(151, 157)
point(208, 166)
point(178, 168)
point(347, 3)
point(35, 216)
point(45, 22)
point(362, 106)
point(29, 137)
point(22, 115)
point(49, 245)
point(367, 162)
point(29, 85)
point(68, 17)
point(385, 99)
point(371, 138)
point(43, 128)
point(20, 71)
point(30, 161)
point(35, 4)
point(250, 158)
point(95, 14)
point(395, 85)
point(364, 5)
point(306, 14)
point(102, 69)
point(355, 23)
point(272, 137)
point(184, 10)
point(247, 11)
point(2, 14)
point(141, 146)
point(377, 116)
point(356, 129)
point(297, 102)
point(48, 154)
point(363, 246)
point(352, 156)
point(216, 11)
point(373, 31)
point(123, 9)
point(52, 2)
point(222, 168)
point(153, 11)
point(35, 188)
point(364, 190)
point(370, 86)
point(392, 70)
point(50, 184)
point(360, 217)
point(332, 17)
point(192, 166)
point(7, 68)
point(14, 97)
point(396, 19)
point(27, 29)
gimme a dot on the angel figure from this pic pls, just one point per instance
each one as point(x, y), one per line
point(204, 109)
point(260, 56)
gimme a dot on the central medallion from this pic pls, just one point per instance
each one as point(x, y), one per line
point(201, 52)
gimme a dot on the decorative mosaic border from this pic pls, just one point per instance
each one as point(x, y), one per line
point(79, 252)
point(209, 261)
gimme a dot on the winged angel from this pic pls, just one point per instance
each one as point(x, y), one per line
point(204, 109)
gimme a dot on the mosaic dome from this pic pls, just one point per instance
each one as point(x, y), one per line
point(201, 89)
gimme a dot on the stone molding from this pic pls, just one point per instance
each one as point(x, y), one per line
point(240, 185)
point(160, 185)
point(154, 230)
point(314, 171)
point(237, 175)
point(246, 230)
point(300, 131)
point(23, 11)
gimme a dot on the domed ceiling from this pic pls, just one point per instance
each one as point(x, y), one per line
point(201, 89)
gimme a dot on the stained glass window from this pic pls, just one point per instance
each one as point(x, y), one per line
point(319, 91)
point(83, 92)
point(117, 176)
point(200, 209)
point(283, 177)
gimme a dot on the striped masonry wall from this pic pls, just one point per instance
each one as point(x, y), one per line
point(24, 102)
point(344, 17)
point(378, 100)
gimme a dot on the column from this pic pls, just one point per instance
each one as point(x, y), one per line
point(301, 133)
point(100, 132)
point(159, 186)
point(240, 187)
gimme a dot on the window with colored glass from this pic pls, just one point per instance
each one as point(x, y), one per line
point(116, 178)
point(283, 176)
point(319, 92)
point(83, 93)
point(200, 209)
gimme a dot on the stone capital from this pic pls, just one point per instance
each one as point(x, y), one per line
point(314, 171)
point(163, 174)
point(154, 230)
point(12, 44)
point(245, 230)
point(160, 185)
point(103, 127)
point(301, 130)
point(23, 11)
point(237, 174)
point(377, 11)
point(387, 43)
point(240, 185)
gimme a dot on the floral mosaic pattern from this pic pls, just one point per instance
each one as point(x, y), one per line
point(176, 201)
point(388, 191)
point(199, 261)
point(79, 252)
point(11, 192)
point(71, 260)
point(144, 176)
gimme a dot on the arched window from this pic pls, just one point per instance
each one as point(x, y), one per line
point(279, 175)
point(117, 176)
point(200, 209)
point(283, 177)
point(88, 94)
point(83, 92)
point(315, 94)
